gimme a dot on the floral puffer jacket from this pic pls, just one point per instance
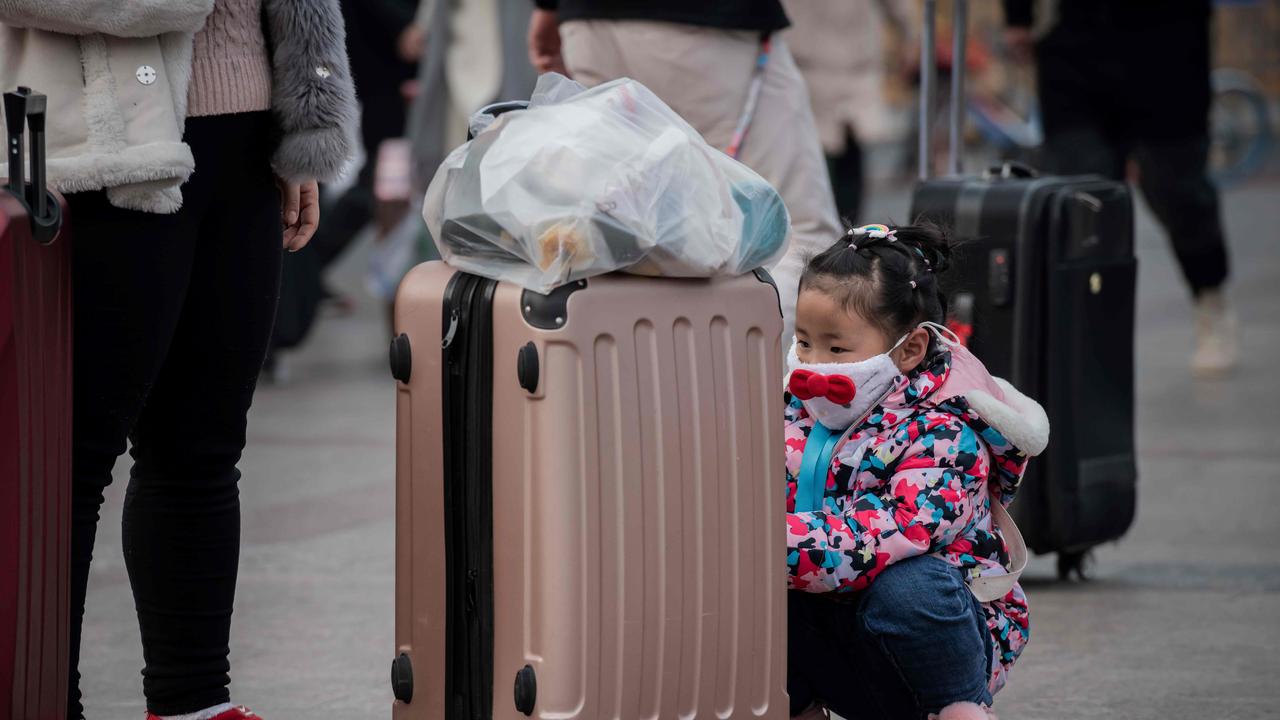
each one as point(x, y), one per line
point(915, 477)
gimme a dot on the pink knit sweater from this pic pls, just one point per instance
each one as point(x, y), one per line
point(230, 70)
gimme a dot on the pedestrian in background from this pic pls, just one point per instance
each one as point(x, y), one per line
point(189, 138)
point(470, 53)
point(701, 58)
point(1122, 79)
point(840, 49)
point(374, 28)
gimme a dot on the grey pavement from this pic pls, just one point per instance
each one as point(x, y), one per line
point(1181, 620)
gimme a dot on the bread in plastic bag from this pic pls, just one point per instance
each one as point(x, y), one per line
point(586, 182)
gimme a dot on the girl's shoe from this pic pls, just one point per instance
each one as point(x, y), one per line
point(218, 712)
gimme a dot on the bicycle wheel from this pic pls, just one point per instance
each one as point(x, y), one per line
point(1240, 127)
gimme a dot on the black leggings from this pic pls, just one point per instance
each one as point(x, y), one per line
point(172, 318)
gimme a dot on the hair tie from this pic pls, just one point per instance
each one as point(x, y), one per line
point(853, 246)
point(913, 284)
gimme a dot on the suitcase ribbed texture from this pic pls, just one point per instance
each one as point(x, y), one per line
point(35, 468)
point(636, 510)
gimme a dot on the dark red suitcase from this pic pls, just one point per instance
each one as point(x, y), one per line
point(35, 429)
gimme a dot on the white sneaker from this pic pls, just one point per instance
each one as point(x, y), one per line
point(1217, 336)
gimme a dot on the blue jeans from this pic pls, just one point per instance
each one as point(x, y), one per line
point(913, 642)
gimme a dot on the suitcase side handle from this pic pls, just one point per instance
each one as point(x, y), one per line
point(494, 110)
point(24, 105)
point(929, 78)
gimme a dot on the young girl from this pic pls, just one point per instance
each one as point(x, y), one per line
point(902, 453)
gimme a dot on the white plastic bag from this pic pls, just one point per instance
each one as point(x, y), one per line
point(585, 182)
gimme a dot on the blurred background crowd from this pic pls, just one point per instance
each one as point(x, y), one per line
point(1179, 620)
point(423, 66)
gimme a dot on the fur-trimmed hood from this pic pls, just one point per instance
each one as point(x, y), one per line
point(1011, 423)
point(107, 129)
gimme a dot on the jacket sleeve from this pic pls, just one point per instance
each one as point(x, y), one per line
point(312, 93)
point(928, 502)
point(121, 18)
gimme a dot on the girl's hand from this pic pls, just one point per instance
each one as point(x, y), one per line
point(299, 211)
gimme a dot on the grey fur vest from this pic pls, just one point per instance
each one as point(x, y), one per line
point(107, 129)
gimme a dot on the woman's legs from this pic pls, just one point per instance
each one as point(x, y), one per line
point(130, 278)
point(171, 314)
point(181, 525)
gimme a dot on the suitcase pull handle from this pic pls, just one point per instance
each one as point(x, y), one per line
point(15, 114)
point(1010, 169)
point(929, 78)
point(44, 210)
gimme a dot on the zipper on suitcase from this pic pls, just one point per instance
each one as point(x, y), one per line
point(468, 496)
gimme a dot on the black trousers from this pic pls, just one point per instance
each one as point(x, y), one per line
point(172, 319)
point(846, 174)
point(1105, 100)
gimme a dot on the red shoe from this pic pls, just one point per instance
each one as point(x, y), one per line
point(239, 712)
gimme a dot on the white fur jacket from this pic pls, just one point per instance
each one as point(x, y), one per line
point(108, 130)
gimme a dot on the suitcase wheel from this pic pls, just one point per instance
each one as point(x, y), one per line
point(401, 358)
point(402, 678)
point(1079, 563)
point(526, 690)
point(527, 367)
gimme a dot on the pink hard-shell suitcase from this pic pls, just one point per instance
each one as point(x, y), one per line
point(589, 517)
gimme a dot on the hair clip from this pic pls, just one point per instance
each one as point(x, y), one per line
point(876, 230)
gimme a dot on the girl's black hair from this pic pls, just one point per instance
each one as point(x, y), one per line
point(892, 282)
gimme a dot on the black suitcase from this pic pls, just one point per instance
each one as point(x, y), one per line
point(1043, 286)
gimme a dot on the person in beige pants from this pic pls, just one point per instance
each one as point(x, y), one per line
point(704, 74)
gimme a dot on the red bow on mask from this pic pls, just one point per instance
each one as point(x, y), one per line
point(806, 385)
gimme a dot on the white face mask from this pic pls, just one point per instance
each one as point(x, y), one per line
point(838, 394)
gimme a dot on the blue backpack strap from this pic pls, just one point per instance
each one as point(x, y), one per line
point(815, 466)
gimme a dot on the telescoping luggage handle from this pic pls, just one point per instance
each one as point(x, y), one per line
point(24, 105)
point(929, 79)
